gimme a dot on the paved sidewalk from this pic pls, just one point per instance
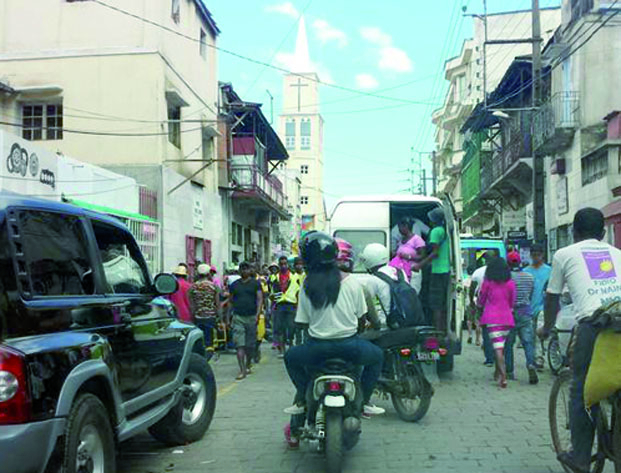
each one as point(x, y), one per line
point(472, 426)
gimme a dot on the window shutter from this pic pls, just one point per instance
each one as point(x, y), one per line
point(190, 255)
point(207, 251)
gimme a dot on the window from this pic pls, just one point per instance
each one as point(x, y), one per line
point(176, 11)
point(304, 200)
point(123, 265)
point(55, 254)
point(594, 167)
point(42, 122)
point(290, 134)
point(305, 133)
point(304, 169)
point(359, 239)
point(237, 235)
point(203, 44)
point(174, 126)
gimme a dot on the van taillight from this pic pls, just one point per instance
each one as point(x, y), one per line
point(14, 398)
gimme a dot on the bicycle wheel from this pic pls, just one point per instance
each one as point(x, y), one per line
point(558, 413)
point(555, 356)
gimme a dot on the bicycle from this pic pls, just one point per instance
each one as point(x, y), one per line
point(607, 416)
point(557, 360)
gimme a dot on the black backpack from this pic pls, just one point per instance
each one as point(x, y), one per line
point(405, 307)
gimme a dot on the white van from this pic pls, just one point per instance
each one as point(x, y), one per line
point(370, 219)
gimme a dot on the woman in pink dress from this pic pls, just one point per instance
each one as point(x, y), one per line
point(497, 298)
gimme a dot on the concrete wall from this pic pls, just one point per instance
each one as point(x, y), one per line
point(583, 72)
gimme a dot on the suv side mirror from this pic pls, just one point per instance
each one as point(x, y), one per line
point(165, 284)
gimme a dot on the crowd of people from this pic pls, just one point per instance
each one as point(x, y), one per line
point(238, 311)
point(315, 310)
point(506, 300)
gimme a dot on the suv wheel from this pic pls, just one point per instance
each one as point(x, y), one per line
point(89, 440)
point(189, 420)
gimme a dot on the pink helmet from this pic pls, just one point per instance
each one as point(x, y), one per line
point(346, 252)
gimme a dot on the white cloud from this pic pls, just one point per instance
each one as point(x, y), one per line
point(394, 59)
point(375, 36)
point(289, 62)
point(391, 58)
point(366, 81)
point(285, 8)
point(326, 33)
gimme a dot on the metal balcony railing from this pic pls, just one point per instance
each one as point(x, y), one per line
point(556, 120)
point(249, 177)
point(502, 160)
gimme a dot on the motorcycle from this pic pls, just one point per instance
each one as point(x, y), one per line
point(405, 350)
point(331, 424)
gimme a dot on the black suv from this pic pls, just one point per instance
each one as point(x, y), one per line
point(90, 353)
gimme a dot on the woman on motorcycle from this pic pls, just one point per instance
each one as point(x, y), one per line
point(331, 304)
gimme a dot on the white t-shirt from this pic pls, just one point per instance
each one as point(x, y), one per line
point(591, 270)
point(334, 321)
point(478, 276)
point(380, 289)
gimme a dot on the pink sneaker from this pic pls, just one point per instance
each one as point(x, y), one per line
point(293, 442)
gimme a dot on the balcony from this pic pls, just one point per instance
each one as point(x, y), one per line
point(260, 190)
point(555, 123)
point(508, 172)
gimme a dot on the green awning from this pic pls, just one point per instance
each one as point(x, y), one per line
point(111, 211)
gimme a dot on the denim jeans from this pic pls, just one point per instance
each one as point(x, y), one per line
point(284, 325)
point(207, 326)
point(488, 349)
point(580, 424)
point(524, 329)
point(353, 349)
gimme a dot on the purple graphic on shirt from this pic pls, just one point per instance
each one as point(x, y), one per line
point(599, 264)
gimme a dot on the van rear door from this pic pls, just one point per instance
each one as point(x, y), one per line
point(456, 289)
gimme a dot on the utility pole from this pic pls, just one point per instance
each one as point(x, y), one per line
point(434, 173)
point(485, 55)
point(539, 210)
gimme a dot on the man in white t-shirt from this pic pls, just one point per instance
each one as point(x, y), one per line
point(590, 269)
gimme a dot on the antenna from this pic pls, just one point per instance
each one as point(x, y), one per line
point(271, 107)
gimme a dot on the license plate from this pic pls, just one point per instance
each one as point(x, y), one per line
point(429, 356)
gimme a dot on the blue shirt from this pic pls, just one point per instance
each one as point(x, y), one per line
point(541, 275)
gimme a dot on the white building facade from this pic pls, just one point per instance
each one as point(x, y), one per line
point(141, 102)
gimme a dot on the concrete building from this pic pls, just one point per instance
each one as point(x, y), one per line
point(254, 198)
point(476, 69)
point(578, 128)
point(141, 102)
point(301, 127)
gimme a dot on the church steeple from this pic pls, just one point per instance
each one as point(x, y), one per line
point(302, 62)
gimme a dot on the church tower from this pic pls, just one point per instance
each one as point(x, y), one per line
point(301, 129)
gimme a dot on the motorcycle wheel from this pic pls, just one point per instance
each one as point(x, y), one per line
point(413, 406)
point(334, 441)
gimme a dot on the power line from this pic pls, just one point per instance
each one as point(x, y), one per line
point(97, 133)
point(560, 59)
point(255, 61)
point(308, 4)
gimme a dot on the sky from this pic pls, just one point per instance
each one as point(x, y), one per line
point(394, 48)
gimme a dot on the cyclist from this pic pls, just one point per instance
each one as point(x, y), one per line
point(589, 268)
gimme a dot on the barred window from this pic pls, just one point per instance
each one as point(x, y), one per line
point(42, 122)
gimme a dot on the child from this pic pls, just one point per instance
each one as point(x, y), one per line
point(497, 298)
point(406, 258)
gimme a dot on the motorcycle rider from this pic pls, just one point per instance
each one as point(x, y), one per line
point(589, 268)
point(345, 262)
point(331, 304)
point(375, 259)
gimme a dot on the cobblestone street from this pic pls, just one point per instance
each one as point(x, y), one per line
point(472, 426)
